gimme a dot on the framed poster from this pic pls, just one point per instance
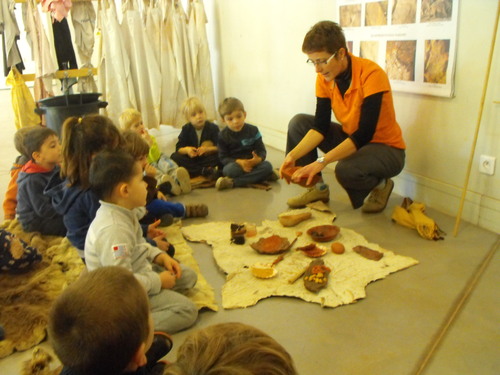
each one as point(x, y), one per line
point(414, 41)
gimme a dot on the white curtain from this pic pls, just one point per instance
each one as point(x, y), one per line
point(115, 79)
point(143, 65)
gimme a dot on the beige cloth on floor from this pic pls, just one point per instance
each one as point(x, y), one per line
point(350, 271)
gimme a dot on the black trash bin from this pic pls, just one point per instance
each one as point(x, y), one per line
point(58, 108)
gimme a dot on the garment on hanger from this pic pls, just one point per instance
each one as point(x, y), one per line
point(10, 35)
point(23, 103)
point(144, 69)
point(115, 81)
point(43, 55)
point(200, 54)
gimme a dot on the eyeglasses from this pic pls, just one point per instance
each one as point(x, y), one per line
point(321, 62)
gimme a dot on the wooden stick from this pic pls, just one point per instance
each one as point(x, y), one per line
point(70, 73)
point(298, 276)
point(479, 117)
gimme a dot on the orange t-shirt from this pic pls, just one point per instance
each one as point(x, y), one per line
point(367, 79)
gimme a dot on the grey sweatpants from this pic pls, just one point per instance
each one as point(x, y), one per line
point(359, 173)
point(172, 311)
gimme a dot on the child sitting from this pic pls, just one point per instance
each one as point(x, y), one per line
point(10, 201)
point(172, 178)
point(115, 238)
point(156, 204)
point(241, 149)
point(196, 150)
point(34, 208)
point(231, 348)
point(101, 325)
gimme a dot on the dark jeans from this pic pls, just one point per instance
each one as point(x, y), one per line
point(195, 165)
point(358, 173)
point(259, 173)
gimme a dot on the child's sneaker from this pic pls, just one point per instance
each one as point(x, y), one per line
point(161, 346)
point(167, 185)
point(224, 183)
point(182, 178)
point(211, 173)
point(196, 210)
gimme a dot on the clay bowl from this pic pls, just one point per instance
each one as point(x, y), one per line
point(323, 233)
point(271, 245)
point(288, 173)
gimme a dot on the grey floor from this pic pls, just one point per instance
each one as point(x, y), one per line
point(439, 317)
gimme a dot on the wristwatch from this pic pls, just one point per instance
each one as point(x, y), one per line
point(321, 159)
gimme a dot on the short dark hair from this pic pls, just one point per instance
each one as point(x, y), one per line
point(108, 169)
point(229, 105)
point(100, 321)
point(19, 137)
point(324, 36)
point(33, 140)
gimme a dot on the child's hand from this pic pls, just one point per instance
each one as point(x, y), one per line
point(202, 150)
point(245, 164)
point(149, 170)
point(169, 264)
point(192, 152)
point(168, 280)
point(153, 231)
point(161, 243)
point(161, 196)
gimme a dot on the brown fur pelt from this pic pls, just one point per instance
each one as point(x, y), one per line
point(25, 298)
point(39, 364)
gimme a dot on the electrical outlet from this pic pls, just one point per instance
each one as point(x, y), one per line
point(487, 164)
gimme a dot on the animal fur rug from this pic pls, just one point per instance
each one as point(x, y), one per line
point(350, 272)
point(25, 299)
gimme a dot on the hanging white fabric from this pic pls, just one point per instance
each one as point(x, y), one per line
point(200, 55)
point(181, 49)
point(144, 68)
point(10, 30)
point(115, 81)
point(43, 54)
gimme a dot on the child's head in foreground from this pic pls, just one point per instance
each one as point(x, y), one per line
point(194, 111)
point(82, 138)
point(233, 113)
point(116, 177)
point(101, 324)
point(136, 146)
point(231, 348)
point(43, 147)
point(131, 119)
point(19, 137)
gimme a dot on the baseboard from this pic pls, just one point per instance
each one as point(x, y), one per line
point(480, 210)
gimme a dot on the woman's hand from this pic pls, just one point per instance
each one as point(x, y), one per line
point(289, 162)
point(309, 171)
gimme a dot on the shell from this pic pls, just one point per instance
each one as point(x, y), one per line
point(271, 245)
point(323, 233)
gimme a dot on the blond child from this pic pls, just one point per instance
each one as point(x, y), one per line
point(115, 239)
point(241, 149)
point(231, 348)
point(167, 170)
point(196, 149)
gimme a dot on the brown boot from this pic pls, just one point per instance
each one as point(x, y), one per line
point(196, 210)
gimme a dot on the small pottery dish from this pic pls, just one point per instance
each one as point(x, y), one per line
point(271, 245)
point(312, 250)
point(323, 233)
point(263, 270)
point(288, 173)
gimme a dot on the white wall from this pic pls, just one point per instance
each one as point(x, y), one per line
point(256, 52)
